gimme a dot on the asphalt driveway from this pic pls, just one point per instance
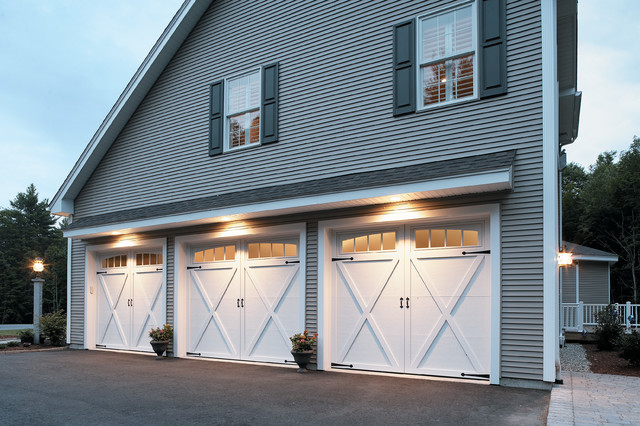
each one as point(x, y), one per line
point(96, 387)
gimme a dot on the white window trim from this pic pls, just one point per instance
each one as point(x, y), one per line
point(227, 147)
point(419, 63)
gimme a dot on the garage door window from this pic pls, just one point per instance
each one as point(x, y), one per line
point(446, 237)
point(119, 261)
point(269, 249)
point(215, 254)
point(379, 241)
point(143, 259)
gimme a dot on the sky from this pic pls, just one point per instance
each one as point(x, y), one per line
point(63, 64)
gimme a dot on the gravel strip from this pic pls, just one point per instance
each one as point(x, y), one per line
point(573, 357)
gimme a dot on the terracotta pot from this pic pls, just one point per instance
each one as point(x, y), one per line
point(159, 346)
point(302, 358)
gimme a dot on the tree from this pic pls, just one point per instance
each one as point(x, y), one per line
point(602, 209)
point(28, 230)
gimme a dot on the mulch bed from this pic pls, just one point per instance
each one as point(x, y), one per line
point(609, 362)
point(20, 347)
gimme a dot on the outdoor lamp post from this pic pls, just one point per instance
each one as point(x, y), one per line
point(38, 266)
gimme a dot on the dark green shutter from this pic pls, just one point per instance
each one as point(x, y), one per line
point(404, 72)
point(269, 101)
point(216, 117)
point(493, 45)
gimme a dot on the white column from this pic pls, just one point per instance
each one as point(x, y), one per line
point(37, 307)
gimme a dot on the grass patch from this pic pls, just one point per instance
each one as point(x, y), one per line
point(10, 332)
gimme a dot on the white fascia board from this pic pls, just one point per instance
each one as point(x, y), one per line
point(610, 259)
point(144, 78)
point(489, 181)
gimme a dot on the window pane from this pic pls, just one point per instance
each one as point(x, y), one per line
point(254, 250)
point(160, 259)
point(219, 253)
point(437, 238)
point(422, 238)
point(361, 243)
point(462, 32)
point(278, 250)
point(208, 255)
point(470, 238)
point(434, 83)
point(347, 246)
point(236, 131)
point(254, 90)
point(462, 77)
point(145, 259)
point(123, 261)
point(290, 250)
point(153, 259)
point(254, 129)
point(117, 262)
point(454, 237)
point(230, 252)
point(104, 263)
point(111, 262)
point(265, 250)
point(197, 257)
point(375, 242)
point(389, 241)
point(237, 94)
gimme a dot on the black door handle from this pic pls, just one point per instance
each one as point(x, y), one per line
point(407, 303)
point(242, 303)
point(238, 303)
point(401, 299)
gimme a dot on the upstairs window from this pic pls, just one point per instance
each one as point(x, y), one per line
point(243, 111)
point(447, 46)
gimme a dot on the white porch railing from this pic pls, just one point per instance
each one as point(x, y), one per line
point(576, 315)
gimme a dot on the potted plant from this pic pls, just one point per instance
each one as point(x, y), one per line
point(160, 338)
point(302, 349)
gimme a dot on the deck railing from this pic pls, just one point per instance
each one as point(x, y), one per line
point(576, 315)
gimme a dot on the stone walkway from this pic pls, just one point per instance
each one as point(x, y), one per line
point(595, 399)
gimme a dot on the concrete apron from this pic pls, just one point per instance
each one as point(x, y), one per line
point(76, 387)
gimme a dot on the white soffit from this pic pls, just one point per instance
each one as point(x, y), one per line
point(490, 181)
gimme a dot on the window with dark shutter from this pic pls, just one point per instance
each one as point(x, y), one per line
point(493, 57)
point(216, 117)
point(404, 82)
point(269, 103)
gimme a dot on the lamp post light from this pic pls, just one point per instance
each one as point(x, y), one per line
point(38, 283)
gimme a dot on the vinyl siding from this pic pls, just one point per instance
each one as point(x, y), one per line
point(568, 280)
point(594, 282)
point(76, 325)
point(336, 118)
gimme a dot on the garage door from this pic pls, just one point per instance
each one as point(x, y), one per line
point(413, 299)
point(130, 299)
point(245, 298)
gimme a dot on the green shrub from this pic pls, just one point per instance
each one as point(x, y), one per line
point(608, 330)
point(3, 346)
point(25, 336)
point(53, 326)
point(631, 348)
point(13, 344)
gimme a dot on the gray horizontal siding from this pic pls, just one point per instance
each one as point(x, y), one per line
point(568, 280)
point(336, 118)
point(76, 326)
point(594, 282)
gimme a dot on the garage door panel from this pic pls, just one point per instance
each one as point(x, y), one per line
point(148, 312)
point(445, 356)
point(269, 343)
point(113, 310)
point(214, 314)
point(359, 352)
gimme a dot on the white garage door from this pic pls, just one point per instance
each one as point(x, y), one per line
point(245, 298)
point(413, 299)
point(130, 299)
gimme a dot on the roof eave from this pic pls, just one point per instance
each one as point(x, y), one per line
point(143, 80)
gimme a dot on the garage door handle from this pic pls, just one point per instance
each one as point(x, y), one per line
point(401, 299)
point(407, 303)
point(464, 253)
point(238, 302)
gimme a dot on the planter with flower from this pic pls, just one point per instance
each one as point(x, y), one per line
point(302, 348)
point(160, 338)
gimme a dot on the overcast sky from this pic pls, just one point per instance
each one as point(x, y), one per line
point(63, 64)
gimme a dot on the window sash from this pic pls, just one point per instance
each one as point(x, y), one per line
point(452, 37)
point(242, 111)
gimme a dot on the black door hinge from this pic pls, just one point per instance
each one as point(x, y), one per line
point(464, 253)
point(335, 259)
